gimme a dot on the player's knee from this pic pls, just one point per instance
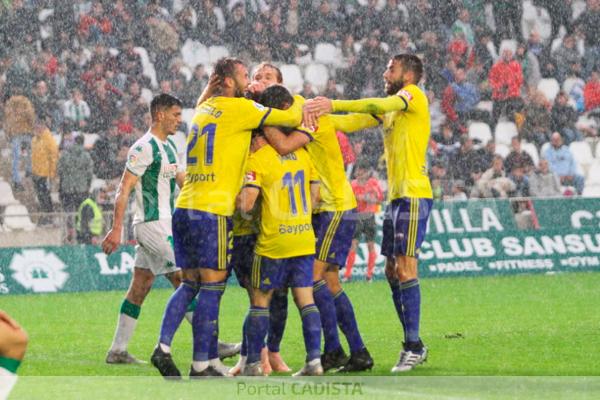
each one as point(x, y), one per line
point(333, 283)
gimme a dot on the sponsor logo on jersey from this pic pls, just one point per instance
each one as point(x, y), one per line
point(250, 176)
point(39, 271)
point(406, 94)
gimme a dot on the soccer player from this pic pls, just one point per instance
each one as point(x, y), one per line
point(368, 195)
point(286, 243)
point(152, 170)
point(406, 135)
point(334, 221)
point(13, 343)
point(218, 147)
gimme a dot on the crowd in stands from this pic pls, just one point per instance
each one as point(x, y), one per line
point(90, 67)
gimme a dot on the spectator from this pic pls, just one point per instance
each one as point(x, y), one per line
point(484, 50)
point(325, 25)
point(588, 24)
point(307, 91)
point(543, 182)
point(104, 154)
point(560, 14)
point(44, 157)
point(536, 128)
point(440, 184)
point(463, 24)
point(128, 61)
point(518, 158)
point(122, 23)
point(520, 180)
point(137, 104)
point(433, 52)
point(393, 15)
point(370, 18)
point(420, 12)
point(465, 164)
point(291, 16)
point(77, 111)
point(103, 107)
point(75, 171)
point(507, 16)
point(237, 27)
point(60, 85)
point(347, 152)
point(530, 66)
point(43, 104)
point(211, 23)
point(565, 56)
point(447, 144)
point(562, 163)
point(280, 43)
point(95, 26)
point(459, 192)
point(368, 196)
point(19, 118)
point(459, 101)
point(331, 90)
point(486, 155)
point(564, 118)
point(89, 221)
point(506, 79)
point(436, 116)
point(591, 91)
point(493, 182)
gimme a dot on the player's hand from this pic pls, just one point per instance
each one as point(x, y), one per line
point(320, 105)
point(256, 88)
point(111, 241)
point(214, 82)
point(6, 319)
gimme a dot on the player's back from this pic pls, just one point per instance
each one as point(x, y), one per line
point(325, 152)
point(217, 148)
point(406, 137)
point(285, 212)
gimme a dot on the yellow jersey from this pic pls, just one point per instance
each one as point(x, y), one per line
point(406, 130)
point(285, 211)
point(217, 149)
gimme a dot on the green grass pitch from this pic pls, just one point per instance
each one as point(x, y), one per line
point(520, 325)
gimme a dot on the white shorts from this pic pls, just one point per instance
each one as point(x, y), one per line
point(154, 250)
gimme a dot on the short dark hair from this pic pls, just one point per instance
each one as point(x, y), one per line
point(411, 63)
point(162, 102)
point(276, 96)
point(272, 66)
point(225, 67)
point(79, 139)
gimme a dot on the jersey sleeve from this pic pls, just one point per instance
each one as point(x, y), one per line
point(355, 122)
point(372, 105)
point(253, 176)
point(139, 158)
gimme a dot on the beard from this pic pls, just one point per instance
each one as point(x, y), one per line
point(391, 88)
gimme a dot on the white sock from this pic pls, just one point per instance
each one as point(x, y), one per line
point(125, 328)
point(314, 362)
point(215, 362)
point(199, 365)
point(7, 382)
point(242, 362)
point(189, 315)
point(165, 348)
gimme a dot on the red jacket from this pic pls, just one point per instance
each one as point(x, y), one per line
point(591, 95)
point(346, 147)
point(506, 79)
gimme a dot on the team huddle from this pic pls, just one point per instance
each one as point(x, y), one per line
point(264, 195)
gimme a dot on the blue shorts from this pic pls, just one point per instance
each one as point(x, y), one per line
point(242, 256)
point(278, 273)
point(201, 239)
point(387, 242)
point(334, 232)
point(408, 227)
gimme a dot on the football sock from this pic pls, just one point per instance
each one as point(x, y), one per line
point(258, 324)
point(325, 304)
point(397, 298)
point(205, 326)
point(349, 264)
point(278, 310)
point(347, 321)
point(371, 264)
point(244, 349)
point(125, 326)
point(411, 305)
point(180, 301)
point(8, 375)
point(311, 329)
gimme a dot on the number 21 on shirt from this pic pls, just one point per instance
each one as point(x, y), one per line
point(208, 134)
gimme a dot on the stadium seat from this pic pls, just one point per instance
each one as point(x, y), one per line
point(327, 53)
point(194, 53)
point(292, 76)
point(530, 149)
point(582, 153)
point(187, 114)
point(504, 132)
point(97, 184)
point(485, 106)
point(480, 131)
point(502, 150)
point(89, 139)
point(6, 194)
point(593, 175)
point(305, 56)
point(549, 87)
point(317, 75)
point(217, 52)
point(16, 217)
point(591, 191)
point(147, 67)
